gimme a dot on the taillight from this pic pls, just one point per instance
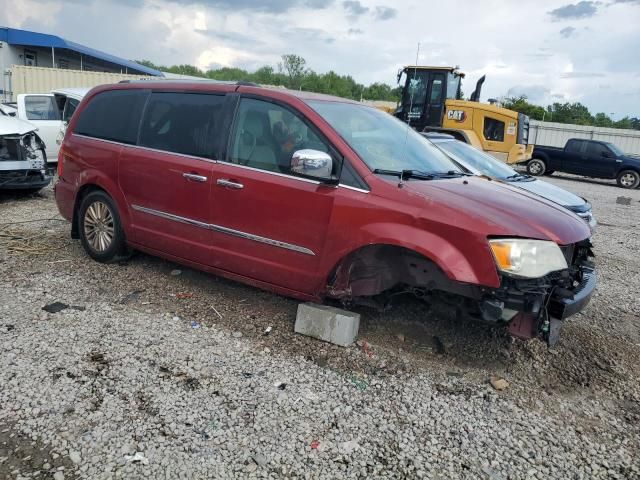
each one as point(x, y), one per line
point(60, 160)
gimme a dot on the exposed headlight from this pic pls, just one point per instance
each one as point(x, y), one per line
point(527, 258)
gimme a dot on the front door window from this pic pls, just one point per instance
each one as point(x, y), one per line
point(266, 135)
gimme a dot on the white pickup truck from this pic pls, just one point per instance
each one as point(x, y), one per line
point(50, 113)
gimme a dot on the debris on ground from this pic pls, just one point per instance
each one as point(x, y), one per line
point(184, 295)
point(267, 330)
point(138, 457)
point(195, 324)
point(314, 444)
point(176, 272)
point(216, 312)
point(56, 307)
point(623, 200)
point(498, 383)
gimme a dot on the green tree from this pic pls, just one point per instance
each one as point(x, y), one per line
point(521, 105)
point(601, 119)
point(293, 66)
point(575, 113)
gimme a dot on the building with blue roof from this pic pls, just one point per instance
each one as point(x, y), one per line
point(23, 47)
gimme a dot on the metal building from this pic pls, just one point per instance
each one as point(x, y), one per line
point(33, 49)
point(552, 134)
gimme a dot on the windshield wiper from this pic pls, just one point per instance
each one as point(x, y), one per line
point(406, 174)
point(452, 174)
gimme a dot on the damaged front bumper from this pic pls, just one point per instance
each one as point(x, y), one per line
point(23, 163)
point(536, 307)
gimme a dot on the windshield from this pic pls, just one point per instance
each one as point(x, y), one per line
point(476, 160)
point(614, 149)
point(382, 141)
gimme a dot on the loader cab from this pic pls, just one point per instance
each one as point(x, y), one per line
point(424, 92)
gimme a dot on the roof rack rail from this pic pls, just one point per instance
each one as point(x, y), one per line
point(240, 83)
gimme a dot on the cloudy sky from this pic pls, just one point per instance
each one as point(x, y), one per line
point(550, 50)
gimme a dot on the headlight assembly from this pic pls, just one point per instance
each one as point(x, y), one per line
point(527, 258)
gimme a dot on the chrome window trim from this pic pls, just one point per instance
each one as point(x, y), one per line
point(277, 174)
point(355, 189)
point(225, 230)
point(149, 149)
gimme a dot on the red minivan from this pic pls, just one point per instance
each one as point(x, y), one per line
point(313, 197)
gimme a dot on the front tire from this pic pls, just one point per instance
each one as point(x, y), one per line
point(536, 167)
point(628, 179)
point(100, 229)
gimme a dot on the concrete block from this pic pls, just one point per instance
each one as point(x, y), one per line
point(327, 323)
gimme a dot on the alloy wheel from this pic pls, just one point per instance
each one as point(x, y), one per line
point(99, 226)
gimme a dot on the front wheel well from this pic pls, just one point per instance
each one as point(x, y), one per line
point(83, 192)
point(374, 269)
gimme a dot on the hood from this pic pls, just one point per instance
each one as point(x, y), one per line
point(493, 208)
point(15, 126)
point(555, 194)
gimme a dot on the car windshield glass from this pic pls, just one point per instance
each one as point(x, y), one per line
point(382, 141)
point(614, 149)
point(479, 161)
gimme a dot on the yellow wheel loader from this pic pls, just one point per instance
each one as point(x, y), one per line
point(431, 102)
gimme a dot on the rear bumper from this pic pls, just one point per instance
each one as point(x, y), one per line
point(65, 197)
point(562, 308)
point(22, 180)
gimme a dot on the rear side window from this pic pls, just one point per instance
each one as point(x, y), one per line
point(113, 115)
point(186, 123)
point(41, 107)
point(575, 146)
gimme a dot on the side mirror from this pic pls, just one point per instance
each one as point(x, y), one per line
point(313, 164)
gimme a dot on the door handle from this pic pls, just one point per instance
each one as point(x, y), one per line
point(223, 182)
point(194, 177)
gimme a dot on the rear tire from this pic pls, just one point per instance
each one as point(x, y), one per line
point(628, 179)
point(536, 167)
point(100, 229)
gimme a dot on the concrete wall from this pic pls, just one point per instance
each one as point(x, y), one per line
point(556, 135)
point(42, 80)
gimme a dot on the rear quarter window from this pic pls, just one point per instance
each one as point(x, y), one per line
point(113, 115)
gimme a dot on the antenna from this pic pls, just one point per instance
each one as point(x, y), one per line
point(415, 72)
point(406, 133)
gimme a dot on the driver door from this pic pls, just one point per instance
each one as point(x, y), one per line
point(269, 224)
point(435, 102)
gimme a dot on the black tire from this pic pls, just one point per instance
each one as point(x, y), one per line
point(628, 179)
point(536, 167)
point(100, 228)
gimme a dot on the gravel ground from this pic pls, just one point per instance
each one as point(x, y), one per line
point(158, 371)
